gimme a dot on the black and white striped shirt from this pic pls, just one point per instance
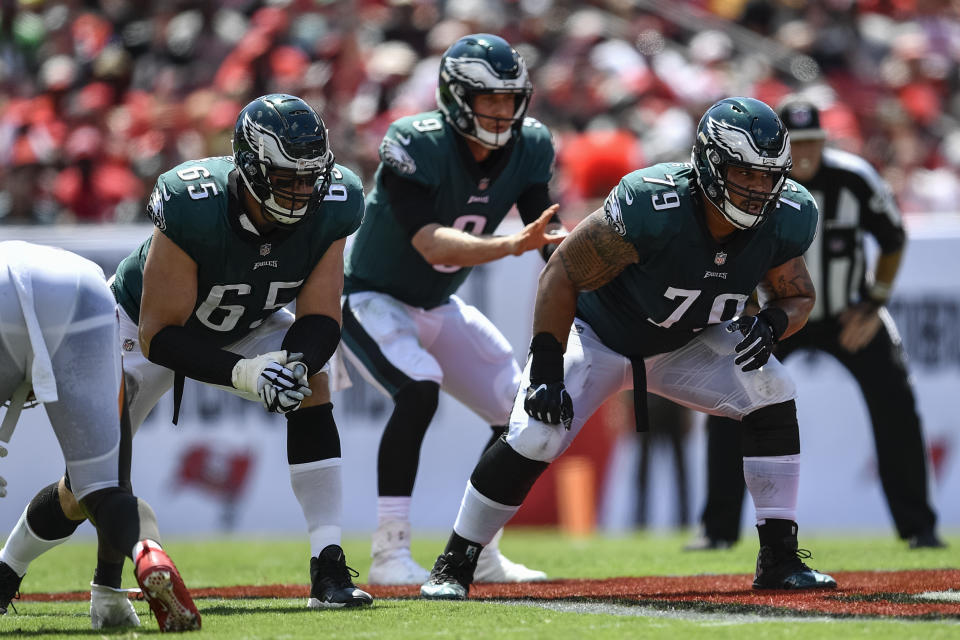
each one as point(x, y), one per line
point(853, 199)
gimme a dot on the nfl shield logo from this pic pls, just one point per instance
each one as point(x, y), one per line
point(483, 184)
point(720, 258)
point(265, 249)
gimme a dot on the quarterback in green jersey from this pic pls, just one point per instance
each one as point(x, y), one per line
point(648, 292)
point(235, 240)
point(445, 181)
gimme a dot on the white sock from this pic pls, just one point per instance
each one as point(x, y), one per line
point(773, 482)
point(24, 546)
point(147, 543)
point(480, 518)
point(393, 508)
point(319, 491)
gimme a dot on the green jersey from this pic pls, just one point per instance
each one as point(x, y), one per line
point(424, 148)
point(242, 277)
point(685, 280)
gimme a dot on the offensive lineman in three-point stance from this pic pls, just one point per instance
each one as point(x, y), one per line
point(236, 239)
point(653, 285)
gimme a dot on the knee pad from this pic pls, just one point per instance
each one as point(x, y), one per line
point(312, 435)
point(771, 431)
point(46, 517)
point(505, 476)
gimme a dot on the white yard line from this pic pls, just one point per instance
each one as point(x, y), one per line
point(643, 611)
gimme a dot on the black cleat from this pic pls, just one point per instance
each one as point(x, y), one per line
point(331, 585)
point(450, 578)
point(926, 540)
point(783, 568)
point(9, 587)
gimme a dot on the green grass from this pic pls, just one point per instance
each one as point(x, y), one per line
point(227, 561)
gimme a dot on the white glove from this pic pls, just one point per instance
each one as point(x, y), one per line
point(280, 389)
point(278, 399)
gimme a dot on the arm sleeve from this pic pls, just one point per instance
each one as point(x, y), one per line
point(184, 351)
point(533, 201)
point(412, 202)
point(316, 337)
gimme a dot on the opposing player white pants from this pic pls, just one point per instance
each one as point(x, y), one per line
point(58, 332)
point(453, 345)
point(700, 375)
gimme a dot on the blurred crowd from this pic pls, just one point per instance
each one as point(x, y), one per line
point(100, 97)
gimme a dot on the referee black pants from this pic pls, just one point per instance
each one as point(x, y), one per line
point(880, 370)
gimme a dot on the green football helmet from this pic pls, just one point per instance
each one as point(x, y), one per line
point(476, 64)
point(278, 141)
point(746, 133)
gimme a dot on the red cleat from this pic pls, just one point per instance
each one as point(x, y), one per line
point(163, 588)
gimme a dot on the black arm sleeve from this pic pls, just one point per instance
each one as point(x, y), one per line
point(186, 352)
point(533, 202)
point(316, 337)
point(411, 201)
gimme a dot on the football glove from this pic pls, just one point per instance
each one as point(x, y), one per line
point(279, 399)
point(760, 336)
point(280, 389)
point(550, 403)
point(547, 399)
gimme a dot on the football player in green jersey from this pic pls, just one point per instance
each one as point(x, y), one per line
point(648, 292)
point(446, 180)
point(235, 240)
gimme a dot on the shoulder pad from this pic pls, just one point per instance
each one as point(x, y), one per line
point(410, 146)
point(189, 190)
point(645, 204)
point(343, 205)
point(796, 217)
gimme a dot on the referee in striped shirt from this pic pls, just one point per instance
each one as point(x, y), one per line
point(851, 323)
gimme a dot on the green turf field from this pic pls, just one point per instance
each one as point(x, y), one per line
point(225, 562)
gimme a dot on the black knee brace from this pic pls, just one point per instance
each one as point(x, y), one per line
point(312, 435)
point(505, 476)
point(771, 431)
point(46, 517)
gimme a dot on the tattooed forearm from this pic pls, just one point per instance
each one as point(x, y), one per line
point(594, 254)
point(790, 280)
point(790, 288)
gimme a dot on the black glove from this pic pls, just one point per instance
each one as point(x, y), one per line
point(761, 333)
point(546, 398)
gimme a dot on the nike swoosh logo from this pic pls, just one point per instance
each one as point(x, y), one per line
point(403, 139)
point(627, 197)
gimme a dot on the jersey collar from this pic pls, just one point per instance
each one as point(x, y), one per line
point(239, 222)
point(492, 167)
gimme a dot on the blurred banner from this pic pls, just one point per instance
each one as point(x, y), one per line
point(224, 467)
